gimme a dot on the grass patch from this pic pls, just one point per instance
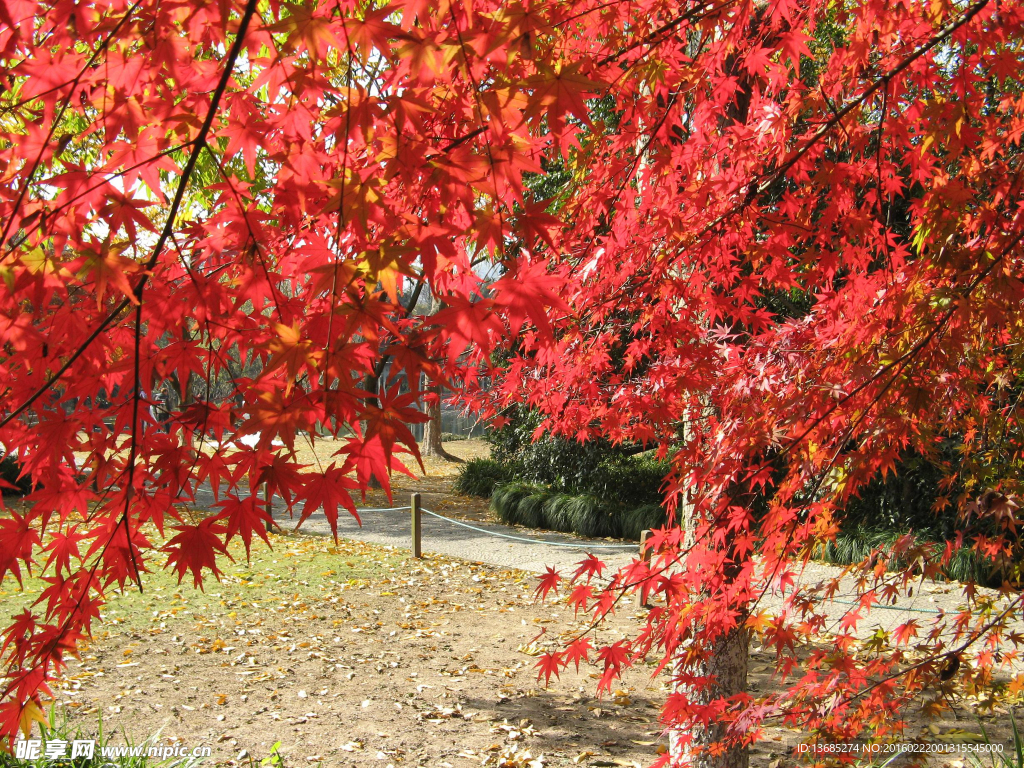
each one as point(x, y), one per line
point(62, 729)
point(479, 477)
point(297, 569)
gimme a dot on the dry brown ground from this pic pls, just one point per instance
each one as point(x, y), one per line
point(428, 663)
point(358, 656)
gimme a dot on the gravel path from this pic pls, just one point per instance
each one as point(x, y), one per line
point(487, 543)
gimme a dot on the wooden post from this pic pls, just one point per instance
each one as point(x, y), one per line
point(645, 555)
point(416, 527)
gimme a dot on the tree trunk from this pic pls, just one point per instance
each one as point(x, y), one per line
point(432, 429)
point(726, 664)
point(727, 660)
point(432, 445)
point(370, 384)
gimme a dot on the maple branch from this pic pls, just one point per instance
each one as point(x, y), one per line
point(974, 637)
point(248, 226)
point(13, 244)
point(59, 116)
point(378, 369)
point(756, 186)
point(452, 144)
point(480, 119)
point(663, 30)
point(197, 144)
point(328, 342)
point(903, 359)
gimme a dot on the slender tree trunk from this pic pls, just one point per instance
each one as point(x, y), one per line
point(370, 385)
point(432, 429)
point(432, 445)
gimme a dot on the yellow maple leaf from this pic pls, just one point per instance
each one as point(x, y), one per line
point(31, 713)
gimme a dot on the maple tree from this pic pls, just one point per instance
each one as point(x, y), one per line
point(794, 260)
point(245, 191)
point(193, 191)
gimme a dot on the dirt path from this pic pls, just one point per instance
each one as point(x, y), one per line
point(425, 663)
point(431, 664)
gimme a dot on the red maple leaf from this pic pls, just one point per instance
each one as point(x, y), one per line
point(62, 547)
point(526, 294)
point(547, 665)
point(244, 517)
point(590, 566)
point(196, 547)
point(17, 540)
point(547, 582)
point(328, 491)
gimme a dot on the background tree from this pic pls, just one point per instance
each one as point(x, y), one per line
point(433, 427)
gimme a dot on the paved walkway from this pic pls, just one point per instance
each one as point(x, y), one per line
point(529, 551)
point(445, 537)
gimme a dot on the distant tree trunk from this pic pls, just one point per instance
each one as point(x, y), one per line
point(370, 384)
point(432, 445)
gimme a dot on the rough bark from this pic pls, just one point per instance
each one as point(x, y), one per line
point(726, 665)
point(432, 445)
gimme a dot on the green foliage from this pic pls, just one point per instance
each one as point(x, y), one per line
point(10, 472)
point(906, 499)
point(564, 465)
point(593, 489)
point(1012, 758)
point(629, 480)
point(594, 467)
point(583, 514)
point(505, 500)
point(590, 517)
point(633, 522)
point(530, 509)
point(857, 542)
point(478, 477)
point(274, 759)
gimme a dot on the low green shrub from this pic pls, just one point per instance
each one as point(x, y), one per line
point(478, 477)
point(531, 509)
point(10, 471)
point(505, 500)
point(855, 543)
point(556, 512)
point(590, 517)
point(633, 522)
point(583, 514)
